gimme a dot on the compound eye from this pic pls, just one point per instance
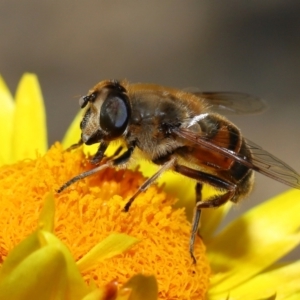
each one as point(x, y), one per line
point(114, 114)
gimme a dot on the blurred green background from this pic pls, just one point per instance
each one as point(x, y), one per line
point(246, 46)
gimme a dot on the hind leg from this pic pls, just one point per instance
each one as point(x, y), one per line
point(213, 201)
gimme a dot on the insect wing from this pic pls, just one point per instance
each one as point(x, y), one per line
point(261, 161)
point(233, 103)
point(272, 166)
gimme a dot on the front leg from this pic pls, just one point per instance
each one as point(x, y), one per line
point(124, 157)
point(110, 163)
point(75, 146)
point(99, 154)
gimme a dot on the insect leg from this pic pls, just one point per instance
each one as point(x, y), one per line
point(75, 146)
point(117, 152)
point(99, 154)
point(198, 190)
point(124, 157)
point(114, 162)
point(83, 175)
point(166, 166)
point(214, 201)
point(196, 219)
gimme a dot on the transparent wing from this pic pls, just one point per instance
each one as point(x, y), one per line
point(271, 166)
point(232, 103)
point(261, 161)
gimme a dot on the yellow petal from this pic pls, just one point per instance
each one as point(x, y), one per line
point(211, 219)
point(255, 241)
point(142, 287)
point(30, 132)
point(293, 297)
point(283, 281)
point(17, 262)
point(6, 125)
point(75, 280)
point(41, 275)
point(17, 255)
point(114, 244)
point(46, 220)
point(72, 136)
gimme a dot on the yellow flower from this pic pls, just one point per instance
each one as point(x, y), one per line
point(243, 257)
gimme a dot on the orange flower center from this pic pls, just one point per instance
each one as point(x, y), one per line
point(91, 209)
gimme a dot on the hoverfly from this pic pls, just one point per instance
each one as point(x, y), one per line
point(179, 131)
